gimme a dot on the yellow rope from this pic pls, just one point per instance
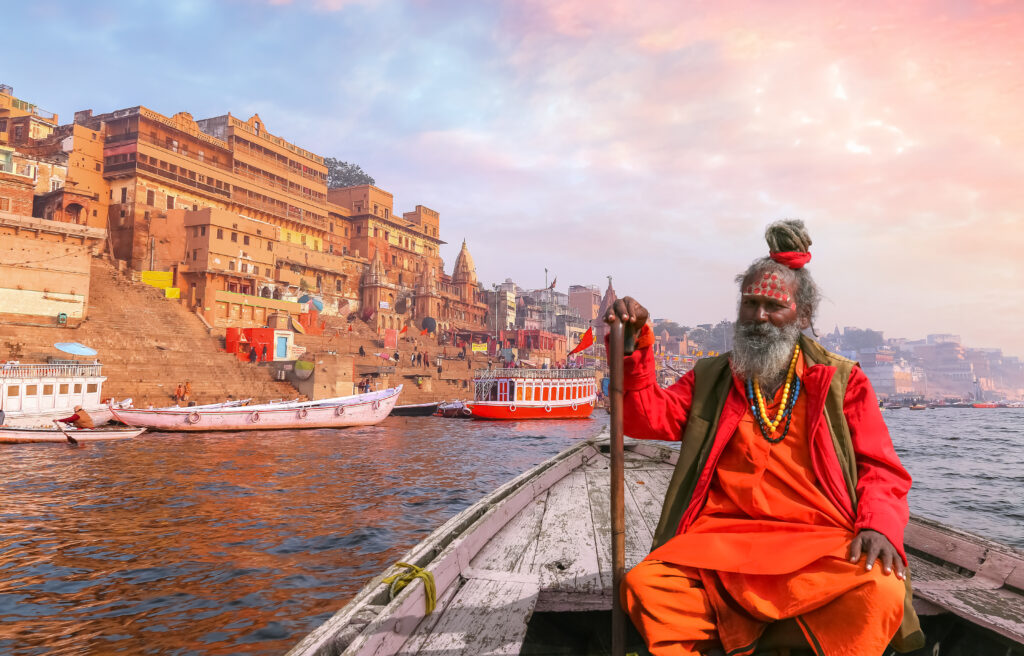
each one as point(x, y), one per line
point(399, 581)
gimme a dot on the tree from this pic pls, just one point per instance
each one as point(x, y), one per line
point(343, 174)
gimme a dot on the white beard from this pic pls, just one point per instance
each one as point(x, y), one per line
point(763, 351)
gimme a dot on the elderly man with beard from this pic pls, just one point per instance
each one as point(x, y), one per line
point(787, 491)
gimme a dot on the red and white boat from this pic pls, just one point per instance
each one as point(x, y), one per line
point(339, 412)
point(534, 394)
point(21, 435)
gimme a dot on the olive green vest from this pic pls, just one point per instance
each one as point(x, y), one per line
point(712, 381)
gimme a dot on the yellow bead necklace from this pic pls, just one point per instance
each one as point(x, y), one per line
point(772, 424)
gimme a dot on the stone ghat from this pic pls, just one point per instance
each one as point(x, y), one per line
point(147, 345)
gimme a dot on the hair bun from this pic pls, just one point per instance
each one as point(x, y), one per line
point(786, 236)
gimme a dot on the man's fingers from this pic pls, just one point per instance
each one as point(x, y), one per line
point(855, 548)
point(886, 557)
point(872, 555)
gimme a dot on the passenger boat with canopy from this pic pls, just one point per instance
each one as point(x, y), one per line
point(533, 394)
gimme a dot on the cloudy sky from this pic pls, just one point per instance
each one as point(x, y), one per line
point(651, 141)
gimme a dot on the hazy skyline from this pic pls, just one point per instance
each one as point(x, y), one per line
point(652, 142)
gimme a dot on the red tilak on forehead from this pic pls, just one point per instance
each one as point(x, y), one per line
point(771, 286)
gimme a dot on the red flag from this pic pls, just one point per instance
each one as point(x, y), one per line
point(585, 342)
point(403, 330)
point(350, 327)
point(552, 286)
point(424, 331)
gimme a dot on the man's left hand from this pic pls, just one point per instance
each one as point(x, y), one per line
point(876, 546)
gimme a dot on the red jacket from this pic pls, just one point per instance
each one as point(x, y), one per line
point(650, 412)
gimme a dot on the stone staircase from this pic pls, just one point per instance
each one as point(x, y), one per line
point(147, 345)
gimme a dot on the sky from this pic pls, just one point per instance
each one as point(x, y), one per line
point(651, 142)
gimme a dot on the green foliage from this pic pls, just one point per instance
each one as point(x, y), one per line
point(673, 328)
point(343, 174)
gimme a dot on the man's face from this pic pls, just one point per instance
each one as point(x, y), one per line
point(761, 309)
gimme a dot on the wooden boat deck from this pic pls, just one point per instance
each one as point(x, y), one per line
point(542, 543)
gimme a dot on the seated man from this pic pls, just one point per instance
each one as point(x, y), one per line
point(80, 419)
point(787, 489)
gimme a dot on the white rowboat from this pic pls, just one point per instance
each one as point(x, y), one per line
point(11, 435)
point(340, 412)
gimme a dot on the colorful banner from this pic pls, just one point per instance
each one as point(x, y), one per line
point(479, 347)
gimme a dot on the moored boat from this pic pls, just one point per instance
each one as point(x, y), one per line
point(919, 406)
point(985, 405)
point(534, 394)
point(339, 412)
point(18, 435)
point(528, 569)
point(415, 410)
point(453, 410)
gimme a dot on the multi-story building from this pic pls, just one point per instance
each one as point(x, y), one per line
point(21, 121)
point(585, 300)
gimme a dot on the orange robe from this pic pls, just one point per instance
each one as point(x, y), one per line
point(768, 545)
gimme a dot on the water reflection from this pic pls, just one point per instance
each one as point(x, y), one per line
point(231, 543)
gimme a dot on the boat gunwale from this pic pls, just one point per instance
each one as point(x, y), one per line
point(266, 407)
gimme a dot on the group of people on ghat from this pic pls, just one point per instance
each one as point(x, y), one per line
point(783, 523)
point(183, 393)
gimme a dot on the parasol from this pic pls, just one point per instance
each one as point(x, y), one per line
point(74, 348)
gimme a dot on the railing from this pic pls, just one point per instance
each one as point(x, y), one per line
point(494, 374)
point(16, 370)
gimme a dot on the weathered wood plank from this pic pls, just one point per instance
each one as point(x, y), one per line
point(1001, 611)
point(638, 536)
point(566, 557)
point(648, 487)
point(485, 617)
point(513, 547)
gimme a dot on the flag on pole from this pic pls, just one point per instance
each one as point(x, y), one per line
point(403, 330)
point(585, 342)
point(553, 282)
point(424, 331)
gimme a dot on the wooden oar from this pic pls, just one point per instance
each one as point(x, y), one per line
point(615, 365)
point(71, 440)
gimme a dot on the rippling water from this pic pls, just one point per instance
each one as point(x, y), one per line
point(241, 543)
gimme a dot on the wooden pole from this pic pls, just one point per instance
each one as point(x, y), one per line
point(615, 364)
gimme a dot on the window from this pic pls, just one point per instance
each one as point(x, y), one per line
point(220, 233)
point(245, 240)
point(31, 390)
point(386, 212)
point(78, 388)
point(64, 388)
point(17, 135)
point(268, 272)
point(303, 237)
point(91, 388)
point(231, 265)
point(394, 260)
point(387, 235)
point(47, 390)
point(97, 166)
point(170, 202)
point(5, 204)
point(270, 245)
point(202, 231)
point(124, 194)
point(195, 231)
point(337, 285)
point(150, 197)
point(245, 268)
point(3, 125)
point(55, 185)
point(346, 232)
point(201, 156)
point(195, 254)
point(234, 237)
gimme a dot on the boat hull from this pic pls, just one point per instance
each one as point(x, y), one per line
point(418, 410)
point(359, 410)
point(520, 412)
point(39, 435)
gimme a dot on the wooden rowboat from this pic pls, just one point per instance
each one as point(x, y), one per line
point(341, 412)
point(415, 410)
point(528, 570)
point(13, 435)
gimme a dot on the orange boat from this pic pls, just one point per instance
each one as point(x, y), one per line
point(534, 394)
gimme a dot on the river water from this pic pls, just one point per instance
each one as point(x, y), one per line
point(237, 543)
